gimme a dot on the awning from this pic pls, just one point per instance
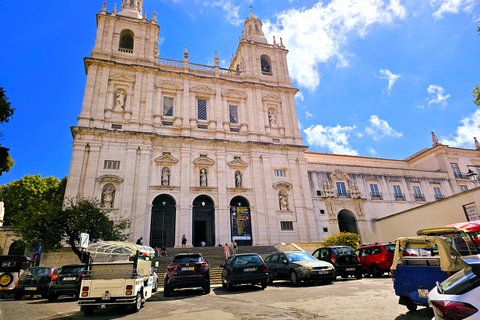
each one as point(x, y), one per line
point(119, 248)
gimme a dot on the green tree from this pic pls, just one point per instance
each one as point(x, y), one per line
point(342, 239)
point(476, 95)
point(6, 113)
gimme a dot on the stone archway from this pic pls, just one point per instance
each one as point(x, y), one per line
point(241, 221)
point(162, 230)
point(203, 226)
point(347, 221)
point(16, 249)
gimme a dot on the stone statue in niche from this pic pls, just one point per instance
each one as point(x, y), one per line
point(165, 177)
point(271, 118)
point(120, 100)
point(203, 177)
point(283, 202)
point(238, 179)
point(108, 196)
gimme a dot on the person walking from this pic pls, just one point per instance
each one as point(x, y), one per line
point(234, 247)
point(184, 241)
point(226, 250)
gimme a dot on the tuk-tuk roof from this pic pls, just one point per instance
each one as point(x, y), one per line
point(438, 229)
point(450, 259)
point(119, 248)
point(469, 226)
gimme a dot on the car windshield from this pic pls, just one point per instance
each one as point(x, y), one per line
point(390, 248)
point(342, 251)
point(187, 258)
point(462, 281)
point(9, 263)
point(38, 272)
point(71, 270)
point(244, 260)
point(299, 256)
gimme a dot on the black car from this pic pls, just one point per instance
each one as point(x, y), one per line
point(66, 281)
point(187, 270)
point(35, 280)
point(244, 268)
point(343, 258)
point(298, 266)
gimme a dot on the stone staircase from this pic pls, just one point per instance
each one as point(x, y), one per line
point(213, 255)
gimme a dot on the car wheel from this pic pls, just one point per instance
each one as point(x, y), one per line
point(270, 279)
point(344, 276)
point(264, 285)
point(6, 279)
point(229, 285)
point(17, 295)
point(358, 276)
point(45, 295)
point(327, 281)
point(87, 310)
point(206, 288)
point(138, 303)
point(52, 297)
point(293, 278)
point(411, 306)
point(167, 291)
point(376, 272)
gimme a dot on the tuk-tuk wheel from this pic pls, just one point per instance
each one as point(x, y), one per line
point(411, 306)
point(87, 310)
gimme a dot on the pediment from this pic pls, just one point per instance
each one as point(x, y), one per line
point(233, 94)
point(203, 161)
point(166, 159)
point(120, 77)
point(238, 163)
point(109, 178)
point(282, 185)
point(168, 85)
point(272, 98)
point(203, 90)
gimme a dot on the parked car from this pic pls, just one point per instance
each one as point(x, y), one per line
point(244, 268)
point(298, 266)
point(458, 296)
point(376, 259)
point(343, 258)
point(35, 280)
point(11, 268)
point(187, 270)
point(66, 281)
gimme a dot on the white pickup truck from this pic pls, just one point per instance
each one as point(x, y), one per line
point(126, 282)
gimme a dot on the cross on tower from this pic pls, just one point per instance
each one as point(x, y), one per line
point(251, 9)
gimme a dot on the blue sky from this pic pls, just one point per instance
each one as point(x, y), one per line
point(375, 77)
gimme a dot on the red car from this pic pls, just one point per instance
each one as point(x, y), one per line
point(187, 270)
point(376, 259)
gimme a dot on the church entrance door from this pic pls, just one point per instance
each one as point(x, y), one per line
point(162, 229)
point(203, 221)
point(347, 222)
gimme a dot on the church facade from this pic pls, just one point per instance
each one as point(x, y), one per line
point(216, 153)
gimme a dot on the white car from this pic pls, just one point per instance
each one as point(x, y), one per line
point(458, 297)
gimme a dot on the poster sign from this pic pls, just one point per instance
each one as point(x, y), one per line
point(471, 212)
point(241, 226)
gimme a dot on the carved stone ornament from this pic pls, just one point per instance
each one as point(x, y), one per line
point(234, 94)
point(339, 176)
point(120, 77)
point(282, 185)
point(203, 90)
point(169, 86)
point(166, 159)
point(272, 99)
point(237, 163)
point(109, 178)
point(203, 161)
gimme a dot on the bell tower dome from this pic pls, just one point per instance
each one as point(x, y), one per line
point(131, 8)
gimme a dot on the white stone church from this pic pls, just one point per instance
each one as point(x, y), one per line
point(216, 154)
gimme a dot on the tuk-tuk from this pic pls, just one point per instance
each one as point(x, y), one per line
point(11, 268)
point(471, 227)
point(128, 281)
point(458, 238)
point(414, 276)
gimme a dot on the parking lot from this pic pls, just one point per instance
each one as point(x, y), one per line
point(368, 298)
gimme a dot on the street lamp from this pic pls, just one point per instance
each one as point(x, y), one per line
point(472, 176)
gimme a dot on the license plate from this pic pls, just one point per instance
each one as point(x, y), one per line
point(350, 269)
point(322, 272)
point(30, 288)
point(187, 269)
point(69, 279)
point(106, 296)
point(423, 293)
point(249, 269)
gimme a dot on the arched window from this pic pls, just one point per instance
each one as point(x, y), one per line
point(266, 65)
point(126, 41)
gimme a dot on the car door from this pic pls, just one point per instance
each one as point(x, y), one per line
point(362, 256)
point(325, 255)
point(282, 267)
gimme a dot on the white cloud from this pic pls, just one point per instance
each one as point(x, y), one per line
point(308, 114)
point(372, 151)
point(230, 10)
point(465, 133)
point(439, 97)
point(392, 78)
point(380, 128)
point(299, 96)
point(450, 6)
point(333, 138)
point(319, 34)
point(421, 107)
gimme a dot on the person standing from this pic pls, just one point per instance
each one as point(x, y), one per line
point(226, 250)
point(184, 241)
point(234, 247)
point(140, 241)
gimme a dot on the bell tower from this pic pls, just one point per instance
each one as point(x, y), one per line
point(258, 60)
point(127, 34)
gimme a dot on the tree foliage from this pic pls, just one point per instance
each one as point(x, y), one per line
point(36, 208)
point(6, 113)
point(342, 239)
point(476, 95)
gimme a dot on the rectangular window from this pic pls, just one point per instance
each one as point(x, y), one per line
point(438, 193)
point(418, 194)
point(116, 126)
point(322, 211)
point(202, 109)
point(463, 187)
point(456, 170)
point(168, 106)
point(375, 194)
point(280, 173)
point(233, 111)
point(319, 193)
point(325, 229)
point(342, 192)
point(110, 164)
point(397, 193)
point(286, 225)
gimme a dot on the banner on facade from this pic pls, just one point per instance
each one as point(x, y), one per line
point(471, 211)
point(241, 225)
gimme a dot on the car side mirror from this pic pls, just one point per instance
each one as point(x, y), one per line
point(285, 261)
